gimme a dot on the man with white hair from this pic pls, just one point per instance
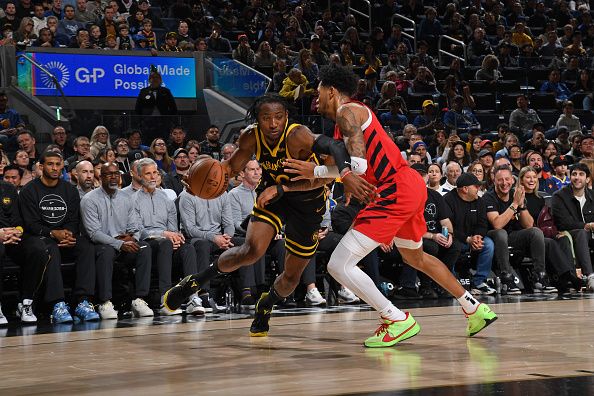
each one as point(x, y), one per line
point(159, 228)
point(453, 171)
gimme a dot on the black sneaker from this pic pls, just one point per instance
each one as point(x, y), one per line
point(406, 293)
point(427, 293)
point(288, 302)
point(260, 326)
point(205, 298)
point(248, 302)
point(178, 294)
point(542, 284)
point(508, 285)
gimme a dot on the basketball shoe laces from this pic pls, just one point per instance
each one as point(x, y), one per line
point(383, 328)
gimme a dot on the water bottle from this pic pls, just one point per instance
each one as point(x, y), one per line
point(444, 231)
point(229, 298)
point(498, 285)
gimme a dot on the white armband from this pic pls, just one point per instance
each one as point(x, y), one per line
point(326, 172)
point(358, 165)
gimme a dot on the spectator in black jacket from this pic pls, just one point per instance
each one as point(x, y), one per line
point(50, 209)
point(469, 219)
point(216, 42)
point(573, 211)
point(177, 139)
point(24, 249)
point(211, 145)
point(182, 164)
point(60, 138)
point(155, 99)
point(478, 48)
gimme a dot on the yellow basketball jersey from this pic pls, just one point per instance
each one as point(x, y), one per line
point(271, 159)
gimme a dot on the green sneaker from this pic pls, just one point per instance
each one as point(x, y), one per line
point(391, 332)
point(481, 318)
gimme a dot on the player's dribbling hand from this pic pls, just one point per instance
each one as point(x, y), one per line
point(358, 188)
point(302, 169)
point(186, 185)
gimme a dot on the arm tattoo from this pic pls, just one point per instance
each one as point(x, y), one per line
point(351, 131)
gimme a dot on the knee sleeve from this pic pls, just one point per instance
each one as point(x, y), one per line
point(353, 245)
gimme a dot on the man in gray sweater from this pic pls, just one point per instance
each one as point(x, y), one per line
point(135, 183)
point(241, 201)
point(114, 227)
point(209, 224)
point(158, 225)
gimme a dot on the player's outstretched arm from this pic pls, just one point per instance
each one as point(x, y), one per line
point(304, 142)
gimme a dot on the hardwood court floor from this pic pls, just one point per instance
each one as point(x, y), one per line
point(315, 354)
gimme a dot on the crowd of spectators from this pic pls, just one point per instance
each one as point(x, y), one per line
point(521, 188)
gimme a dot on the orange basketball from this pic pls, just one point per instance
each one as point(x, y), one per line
point(207, 178)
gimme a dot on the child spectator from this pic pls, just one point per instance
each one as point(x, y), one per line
point(124, 41)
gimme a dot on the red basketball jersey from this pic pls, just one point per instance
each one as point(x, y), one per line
point(382, 154)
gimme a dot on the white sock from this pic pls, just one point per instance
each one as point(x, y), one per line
point(469, 303)
point(392, 313)
point(27, 302)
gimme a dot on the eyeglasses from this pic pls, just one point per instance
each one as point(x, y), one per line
point(160, 144)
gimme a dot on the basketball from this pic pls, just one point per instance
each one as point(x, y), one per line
point(207, 178)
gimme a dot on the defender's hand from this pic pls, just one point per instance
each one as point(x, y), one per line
point(359, 188)
point(302, 169)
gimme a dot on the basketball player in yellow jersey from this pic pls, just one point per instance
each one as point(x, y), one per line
point(296, 205)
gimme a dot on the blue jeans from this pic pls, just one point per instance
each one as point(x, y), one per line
point(484, 261)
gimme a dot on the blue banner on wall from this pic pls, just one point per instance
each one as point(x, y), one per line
point(236, 79)
point(104, 75)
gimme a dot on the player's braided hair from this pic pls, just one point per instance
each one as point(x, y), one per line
point(254, 110)
point(340, 77)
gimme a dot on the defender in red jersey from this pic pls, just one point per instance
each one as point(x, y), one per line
point(395, 218)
